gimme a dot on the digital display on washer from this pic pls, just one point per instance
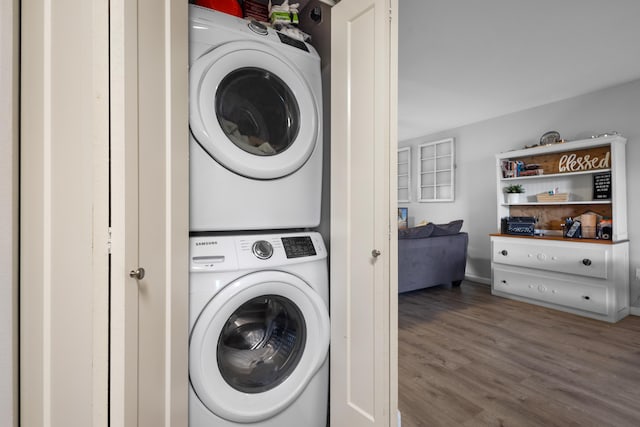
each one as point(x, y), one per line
point(296, 247)
point(292, 42)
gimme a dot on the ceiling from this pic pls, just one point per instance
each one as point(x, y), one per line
point(465, 62)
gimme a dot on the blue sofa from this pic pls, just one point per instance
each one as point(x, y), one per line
point(431, 255)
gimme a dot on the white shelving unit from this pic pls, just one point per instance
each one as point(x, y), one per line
point(588, 277)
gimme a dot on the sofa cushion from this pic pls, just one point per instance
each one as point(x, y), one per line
point(446, 229)
point(416, 232)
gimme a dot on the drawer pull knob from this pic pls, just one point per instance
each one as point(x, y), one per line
point(587, 297)
point(586, 261)
point(504, 252)
point(504, 281)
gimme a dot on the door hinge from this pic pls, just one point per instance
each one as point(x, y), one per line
point(109, 241)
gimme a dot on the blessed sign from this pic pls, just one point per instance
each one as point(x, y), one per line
point(574, 163)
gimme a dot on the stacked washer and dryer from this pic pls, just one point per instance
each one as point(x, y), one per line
point(259, 322)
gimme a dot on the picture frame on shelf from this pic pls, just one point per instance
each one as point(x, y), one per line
point(403, 218)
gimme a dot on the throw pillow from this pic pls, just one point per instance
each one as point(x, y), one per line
point(416, 232)
point(445, 229)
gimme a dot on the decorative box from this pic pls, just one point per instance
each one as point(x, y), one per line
point(552, 198)
point(520, 225)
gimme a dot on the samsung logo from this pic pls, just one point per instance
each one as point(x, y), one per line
point(207, 243)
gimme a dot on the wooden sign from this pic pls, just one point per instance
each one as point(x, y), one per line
point(602, 186)
point(571, 161)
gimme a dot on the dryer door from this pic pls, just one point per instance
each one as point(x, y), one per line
point(256, 345)
point(252, 111)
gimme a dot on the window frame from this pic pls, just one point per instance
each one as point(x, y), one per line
point(407, 188)
point(436, 171)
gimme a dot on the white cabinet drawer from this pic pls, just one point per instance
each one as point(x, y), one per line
point(585, 259)
point(552, 290)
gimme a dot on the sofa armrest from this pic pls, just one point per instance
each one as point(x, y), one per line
point(431, 261)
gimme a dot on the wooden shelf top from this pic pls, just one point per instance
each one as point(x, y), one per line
point(559, 238)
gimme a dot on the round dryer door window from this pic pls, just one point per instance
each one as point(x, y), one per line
point(256, 345)
point(257, 111)
point(252, 110)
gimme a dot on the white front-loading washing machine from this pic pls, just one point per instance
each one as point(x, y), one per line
point(255, 114)
point(259, 331)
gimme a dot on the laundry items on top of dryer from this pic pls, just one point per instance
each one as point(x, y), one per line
point(231, 7)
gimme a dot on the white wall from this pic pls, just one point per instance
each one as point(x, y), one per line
point(8, 212)
point(613, 109)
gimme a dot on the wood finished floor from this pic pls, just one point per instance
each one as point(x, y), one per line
point(467, 358)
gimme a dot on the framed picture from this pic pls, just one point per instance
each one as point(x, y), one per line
point(403, 215)
point(602, 186)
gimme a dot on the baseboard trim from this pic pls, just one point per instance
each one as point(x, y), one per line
point(478, 279)
point(634, 311)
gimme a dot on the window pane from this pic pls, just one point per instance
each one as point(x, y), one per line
point(427, 193)
point(427, 151)
point(443, 163)
point(444, 148)
point(444, 192)
point(443, 178)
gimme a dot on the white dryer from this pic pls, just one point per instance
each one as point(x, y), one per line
point(255, 114)
point(259, 331)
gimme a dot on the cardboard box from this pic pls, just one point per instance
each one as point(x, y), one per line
point(256, 9)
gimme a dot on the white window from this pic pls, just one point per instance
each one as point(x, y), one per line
point(436, 171)
point(404, 174)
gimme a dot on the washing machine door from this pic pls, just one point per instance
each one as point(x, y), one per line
point(252, 111)
point(256, 345)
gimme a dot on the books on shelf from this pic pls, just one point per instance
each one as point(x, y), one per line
point(513, 169)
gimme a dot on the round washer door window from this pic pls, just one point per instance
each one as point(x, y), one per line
point(256, 345)
point(252, 111)
point(261, 343)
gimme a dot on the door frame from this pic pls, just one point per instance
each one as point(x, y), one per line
point(9, 219)
point(58, 226)
point(64, 199)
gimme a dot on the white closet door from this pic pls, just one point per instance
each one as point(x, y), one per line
point(363, 226)
point(149, 206)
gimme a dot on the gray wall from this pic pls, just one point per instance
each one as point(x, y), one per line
point(613, 109)
point(8, 213)
point(321, 40)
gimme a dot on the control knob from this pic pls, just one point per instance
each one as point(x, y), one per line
point(262, 249)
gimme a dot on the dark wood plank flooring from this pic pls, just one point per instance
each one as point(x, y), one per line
point(467, 358)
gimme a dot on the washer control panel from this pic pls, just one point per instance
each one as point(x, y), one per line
point(220, 252)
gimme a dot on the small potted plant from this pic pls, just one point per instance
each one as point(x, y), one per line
point(514, 193)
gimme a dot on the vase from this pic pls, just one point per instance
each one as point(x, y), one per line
point(513, 198)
